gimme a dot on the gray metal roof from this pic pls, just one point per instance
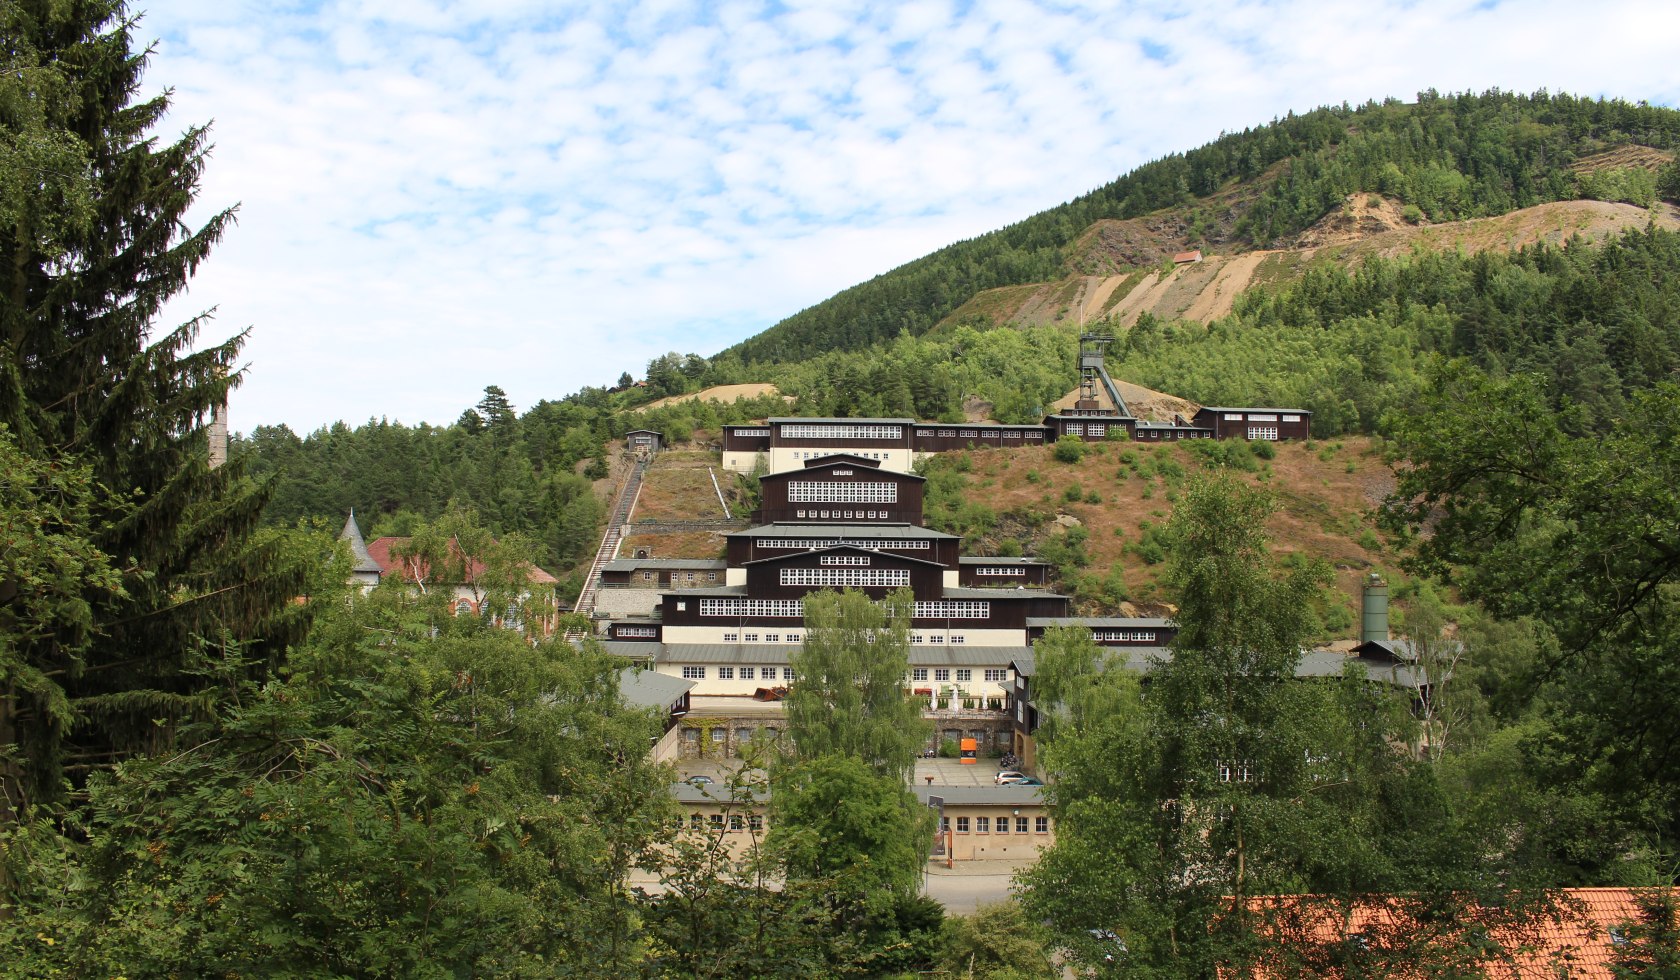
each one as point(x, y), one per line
point(713, 793)
point(1021, 593)
point(855, 532)
point(1225, 408)
point(982, 795)
point(634, 649)
point(1099, 622)
point(649, 689)
point(795, 555)
point(635, 564)
point(1314, 663)
point(982, 560)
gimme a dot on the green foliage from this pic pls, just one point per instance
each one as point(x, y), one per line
point(1069, 449)
point(997, 942)
point(1632, 185)
point(847, 697)
point(399, 804)
point(836, 818)
point(89, 388)
point(1576, 533)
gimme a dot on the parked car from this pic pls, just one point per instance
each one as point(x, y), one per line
point(698, 780)
point(1008, 776)
point(1026, 781)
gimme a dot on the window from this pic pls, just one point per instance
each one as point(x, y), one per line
point(936, 638)
point(1020, 825)
point(958, 638)
point(962, 825)
point(716, 820)
point(1263, 433)
point(1015, 571)
point(772, 637)
point(647, 576)
point(731, 637)
point(964, 675)
point(821, 492)
point(747, 673)
point(951, 609)
point(803, 431)
point(1256, 417)
point(1241, 771)
point(1041, 825)
point(694, 673)
point(944, 824)
point(769, 674)
point(694, 820)
point(711, 576)
point(463, 608)
point(647, 631)
point(691, 734)
point(755, 822)
point(1233, 416)
point(918, 673)
point(997, 674)
point(844, 560)
point(793, 638)
point(1076, 428)
point(1096, 429)
point(726, 673)
point(1292, 418)
point(806, 544)
point(719, 735)
point(942, 674)
point(841, 578)
point(751, 638)
point(982, 825)
point(787, 673)
point(915, 637)
point(691, 576)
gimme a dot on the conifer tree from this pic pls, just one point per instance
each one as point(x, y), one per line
point(90, 256)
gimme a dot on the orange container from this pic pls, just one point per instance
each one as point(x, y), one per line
point(969, 748)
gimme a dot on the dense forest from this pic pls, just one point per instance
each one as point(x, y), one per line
point(218, 758)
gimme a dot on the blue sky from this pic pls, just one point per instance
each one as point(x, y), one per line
point(437, 196)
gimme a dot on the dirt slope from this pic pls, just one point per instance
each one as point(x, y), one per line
point(720, 393)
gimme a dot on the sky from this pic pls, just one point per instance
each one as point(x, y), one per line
point(434, 196)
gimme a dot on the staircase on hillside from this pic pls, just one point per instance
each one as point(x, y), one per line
point(622, 508)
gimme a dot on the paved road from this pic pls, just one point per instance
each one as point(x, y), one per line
point(968, 886)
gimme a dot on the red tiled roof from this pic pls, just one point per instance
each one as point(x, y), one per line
point(382, 550)
point(1191, 256)
point(1577, 939)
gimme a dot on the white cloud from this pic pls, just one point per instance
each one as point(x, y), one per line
point(436, 196)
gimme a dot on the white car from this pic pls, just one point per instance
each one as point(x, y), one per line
point(1008, 776)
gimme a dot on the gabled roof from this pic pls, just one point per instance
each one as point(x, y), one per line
point(644, 688)
point(848, 459)
point(983, 560)
point(637, 564)
point(360, 560)
point(1100, 622)
point(1239, 408)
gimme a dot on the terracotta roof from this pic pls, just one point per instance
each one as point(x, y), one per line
point(1581, 938)
point(382, 551)
point(1194, 255)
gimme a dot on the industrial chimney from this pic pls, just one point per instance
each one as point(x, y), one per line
point(1374, 622)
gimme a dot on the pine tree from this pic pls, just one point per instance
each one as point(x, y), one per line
point(89, 259)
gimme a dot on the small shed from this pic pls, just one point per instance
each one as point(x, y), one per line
point(644, 441)
point(1185, 258)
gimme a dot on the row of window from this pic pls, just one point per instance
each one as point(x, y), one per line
point(983, 825)
point(874, 544)
point(1087, 428)
point(844, 560)
point(643, 631)
point(737, 822)
point(779, 608)
point(1267, 433)
point(1016, 570)
point(820, 453)
point(842, 515)
point(1123, 636)
point(754, 638)
point(795, 608)
point(964, 674)
point(936, 638)
point(953, 609)
point(830, 492)
point(1258, 417)
point(840, 578)
point(807, 431)
point(697, 673)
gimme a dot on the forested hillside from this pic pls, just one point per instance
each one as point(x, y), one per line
point(1457, 156)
